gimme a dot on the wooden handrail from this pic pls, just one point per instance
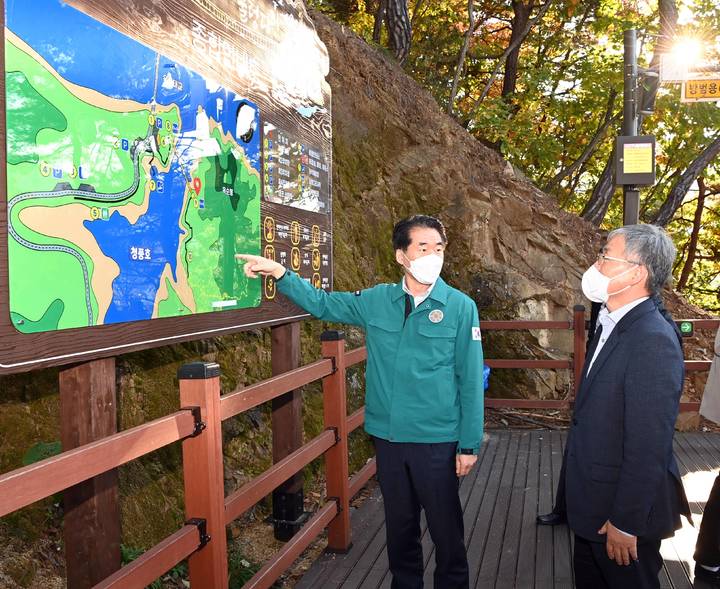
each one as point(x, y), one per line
point(701, 323)
point(697, 365)
point(26, 485)
point(521, 325)
point(502, 363)
point(267, 575)
point(356, 419)
point(528, 403)
point(578, 358)
point(202, 470)
point(355, 356)
point(361, 477)
point(247, 397)
point(142, 571)
point(250, 493)
point(336, 459)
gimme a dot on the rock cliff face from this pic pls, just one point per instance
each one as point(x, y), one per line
point(511, 248)
point(395, 153)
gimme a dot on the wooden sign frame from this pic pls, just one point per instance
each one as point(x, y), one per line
point(200, 34)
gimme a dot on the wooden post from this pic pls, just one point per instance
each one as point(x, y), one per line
point(336, 458)
point(287, 432)
point(203, 473)
point(91, 525)
point(578, 347)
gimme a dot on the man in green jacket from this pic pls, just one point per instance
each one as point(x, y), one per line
point(424, 393)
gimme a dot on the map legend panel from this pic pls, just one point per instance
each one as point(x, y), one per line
point(296, 174)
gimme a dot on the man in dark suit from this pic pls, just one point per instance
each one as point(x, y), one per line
point(623, 490)
point(557, 515)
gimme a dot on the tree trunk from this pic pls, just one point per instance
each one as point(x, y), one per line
point(604, 189)
point(677, 193)
point(590, 148)
point(511, 47)
point(461, 58)
point(399, 30)
point(692, 244)
point(379, 19)
point(519, 23)
point(596, 208)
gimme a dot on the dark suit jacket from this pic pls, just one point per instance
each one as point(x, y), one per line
point(620, 464)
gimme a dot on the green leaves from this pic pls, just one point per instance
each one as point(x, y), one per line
point(569, 65)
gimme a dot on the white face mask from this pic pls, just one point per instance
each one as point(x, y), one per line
point(595, 284)
point(426, 270)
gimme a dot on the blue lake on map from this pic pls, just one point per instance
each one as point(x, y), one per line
point(135, 288)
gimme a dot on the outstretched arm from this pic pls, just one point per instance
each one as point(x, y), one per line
point(342, 307)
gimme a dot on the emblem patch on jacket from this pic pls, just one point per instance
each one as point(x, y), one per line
point(436, 316)
point(476, 335)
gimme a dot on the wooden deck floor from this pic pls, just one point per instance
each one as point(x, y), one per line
point(514, 480)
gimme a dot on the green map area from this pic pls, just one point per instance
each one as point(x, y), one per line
point(223, 227)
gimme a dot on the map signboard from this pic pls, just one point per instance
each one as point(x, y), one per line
point(147, 143)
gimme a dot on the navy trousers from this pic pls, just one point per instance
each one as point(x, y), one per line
point(414, 477)
point(707, 549)
point(594, 570)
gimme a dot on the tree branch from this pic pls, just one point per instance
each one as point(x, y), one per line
point(694, 235)
point(687, 178)
point(510, 48)
point(461, 59)
point(608, 119)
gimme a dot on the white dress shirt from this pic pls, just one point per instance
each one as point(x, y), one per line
point(419, 298)
point(609, 320)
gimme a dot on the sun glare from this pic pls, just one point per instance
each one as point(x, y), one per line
point(687, 50)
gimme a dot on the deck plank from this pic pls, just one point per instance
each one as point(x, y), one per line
point(544, 540)
point(498, 522)
point(507, 570)
point(479, 535)
point(562, 548)
point(515, 479)
point(525, 574)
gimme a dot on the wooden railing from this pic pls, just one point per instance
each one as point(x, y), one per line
point(197, 425)
point(578, 325)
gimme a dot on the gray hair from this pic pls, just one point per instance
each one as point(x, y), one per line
point(652, 247)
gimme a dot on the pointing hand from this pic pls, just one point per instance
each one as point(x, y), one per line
point(255, 265)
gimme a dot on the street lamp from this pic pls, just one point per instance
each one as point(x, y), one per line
point(634, 155)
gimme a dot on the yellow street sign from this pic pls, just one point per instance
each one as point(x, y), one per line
point(701, 90)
